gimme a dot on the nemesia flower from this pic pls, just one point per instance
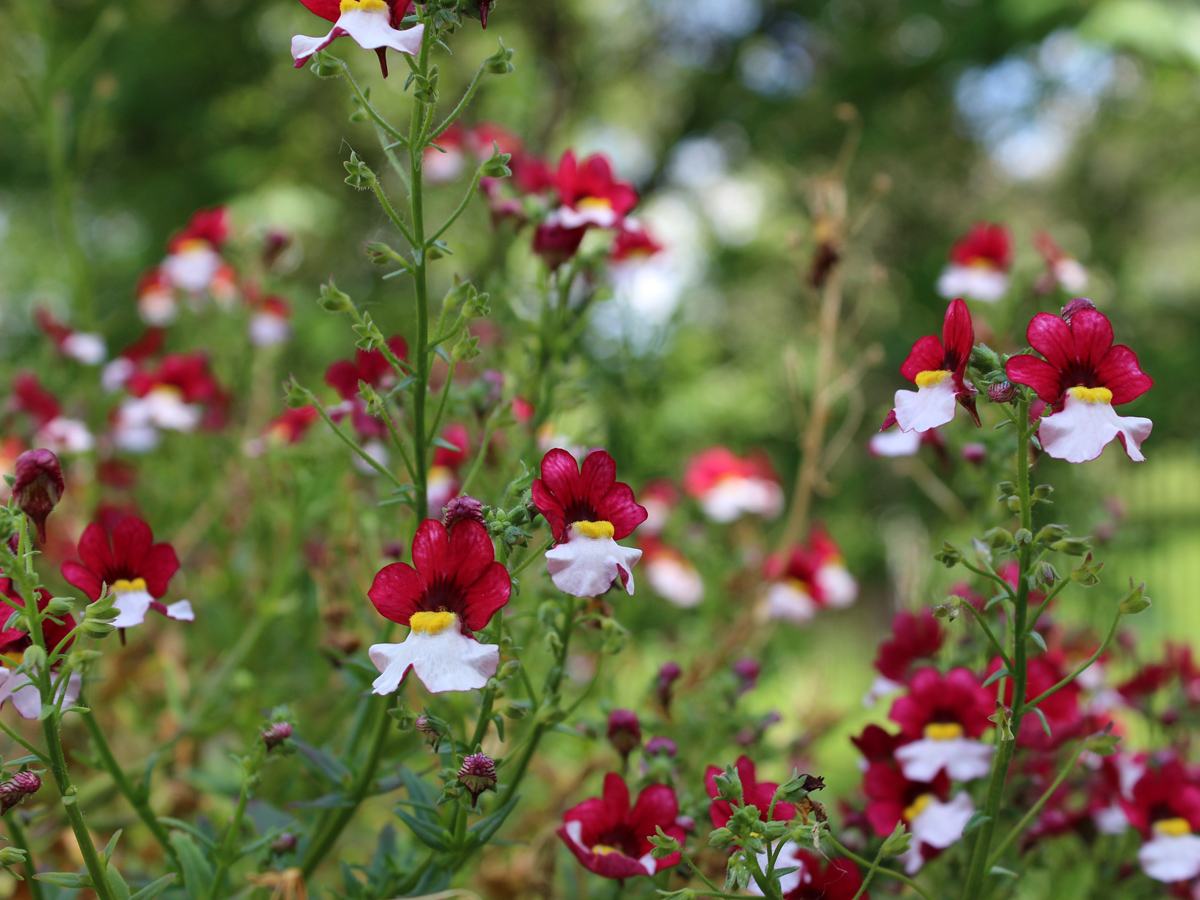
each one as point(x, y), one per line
point(916, 637)
point(136, 570)
point(933, 819)
point(808, 578)
point(156, 300)
point(372, 24)
point(442, 484)
point(372, 367)
point(633, 243)
point(52, 430)
point(173, 397)
point(1062, 270)
point(114, 375)
point(1081, 379)
point(270, 322)
point(670, 574)
point(17, 686)
point(979, 265)
point(833, 879)
point(943, 716)
point(612, 840)
point(453, 589)
point(194, 255)
point(445, 159)
point(289, 427)
point(589, 194)
point(588, 511)
point(1165, 808)
point(896, 443)
point(728, 486)
point(83, 347)
point(937, 369)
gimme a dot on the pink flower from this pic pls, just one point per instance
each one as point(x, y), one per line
point(612, 840)
point(937, 369)
point(1082, 377)
point(809, 577)
point(943, 717)
point(588, 511)
point(589, 193)
point(83, 347)
point(728, 486)
point(979, 265)
point(1062, 270)
point(372, 24)
point(194, 263)
point(133, 567)
point(17, 686)
point(453, 589)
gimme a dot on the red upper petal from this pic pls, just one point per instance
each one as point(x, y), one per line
point(1120, 373)
point(130, 541)
point(958, 335)
point(429, 549)
point(157, 567)
point(95, 552)
point(597, 476)
point(342, 376)
point(616, 795)
point(656, 806)
point(926, 355)
point(549, 507)
point(83, 578)
point(396, 592)
point(470, 552)
point(486, 596)
point(620, 508)
point(326, 9)
point(1040, 375)
point(1093, 336)
point(560, 472)
point(1050, 336)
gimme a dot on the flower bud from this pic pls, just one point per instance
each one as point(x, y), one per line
point(1135, 601)
point(428, 728)
point(333, 300)
point(624, 731)
point(1077, 305)
point(897, 842)
point(463, 508)
point(276, 734)
point(34, 657)
point(38, 486)
point(729, 785)
point(360, 176)
point(1002, 392)
point(747, 672)
point(478, 774)
point(285, 843)
point(500, 62)
point(663, 746)
point(975, 454)
point(17, 788)
point(667, 676)
point(59, 607)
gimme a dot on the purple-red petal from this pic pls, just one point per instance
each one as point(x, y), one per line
point(157, 566)
point(469, 554)
point(926, 355)
point(1050, 336)
point(1120, 372)
point(95, 551)
point(598, 474)
point(622, 510)
point(1038, 374)
point(83, 578)
point(131, 539)
point(429, 550)
point(560, 473)
point(550, 507)
point(1093, 335)
point(958, 334)
point(396, 592)
point(487, 595)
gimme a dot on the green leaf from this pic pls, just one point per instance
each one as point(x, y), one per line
point(446, 445)
point(190, 829)
point(483, 830)
point(977, 819)
point(1007, 873)
point(321, 763)
point(1045, 725)
point(1035, 638)
point(197, 873)
point(112, 845)
point(116, 883)
point(996, 676)
point(423, 830)
point(64, 879)
point(154, 888)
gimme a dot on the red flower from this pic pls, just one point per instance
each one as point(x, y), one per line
point(892, 798)
point(1082, 377)
point(835, 879)
point(633, 243)
point(208, 225)
point(937, 369)
point(589, 194)
point(754, 793)
point(290, 426)
point(810, 577)
point(728, 485)
point(986, 244)
point(877, 744)
point(370, 366)
point(456, 572)
point(187, 373)
point(612, 840)
point(31, 398)
point(567, 493)
point(14, 641)
point(1164, 792)
point(915, 637)
point(372, 24)
point(956, 698)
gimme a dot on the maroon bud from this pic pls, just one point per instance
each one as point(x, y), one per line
point(747, 671)
point(814, 783)
point(17, 788)
point(667, 676)
point(1077, 305)
point(38, 486)
point(275, 242)
point(663, 746)
point(276, 734)
point(285, 843)
point(624, 731)
point(975, 454)
point(687, 823)
point(393, 550)
point(463, 508)
point(427, 728)
point(478, 774)
point(1002, 392)
point(14, 543)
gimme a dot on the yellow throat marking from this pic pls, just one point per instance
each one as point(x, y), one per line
point(943, 731)
point(918, 806)
point(604, 850)
point(1091, 395)
point(124, 586)
point(1176, 827)
point(431, 622)
point(932, 377)
point(364, 5)
point(594, 529)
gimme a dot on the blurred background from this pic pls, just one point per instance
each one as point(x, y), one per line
point(1078, 118)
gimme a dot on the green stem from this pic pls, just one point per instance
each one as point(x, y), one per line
point(1036, 808)
point(42, 757)
point(231, 833)
point(483, 448)
point(139, 804)
point(862, 888)
point(1037, 614)
point(991, 636)
point(416, 148)
point(462, 104)
point(366, 105)
point(460, 208)
point(1112, 633)
point(349, 442)
point(691, 865)
point(445, 394)
point(992, 576)
point(17, 833)
point(890, 873)
point(531, 558)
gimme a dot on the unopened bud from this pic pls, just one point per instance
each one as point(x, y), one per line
point(285, 843)
point(478, 774)
point(897, 842)
point(729, 785)
point(17, 788)
point(333, 300)
point(38, 486)
point(424, 725)
point(975, 454)
point(1077, 305)
point(12, 856)
point(59, 607)
point(747, 671)
point(661, 746)
point(667, 676)
point(500, 62)
point(463, 508)
point(624, 731)
point(1002, 392)
point(276, 734)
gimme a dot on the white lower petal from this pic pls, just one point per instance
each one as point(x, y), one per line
point(267, 330)
point(894, 442)
point(941, 824)
point(1071, 274)
point(135, 438)
point(837, 585)
point(132, 607)
point(730, 498)
point(879, 689)
point(1170, 858)
point(116, 373)
point(192, 269)
point(181, 611)
point(963, 759)
point(447, 661)
point(927, 407)
point(598, 216)
point(27, 699)
point(972, 282)
point(375, 449)
point(158, 308)
point(787, 859)
point(65, 436)
point(89, 349)
point(166, 409)
point(675, 580)
point(1081, 430)
point(370, 29)
point(1111, 820)
point(587, 567)
point(791, 603)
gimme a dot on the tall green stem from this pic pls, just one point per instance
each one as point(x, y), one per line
point(981, 850)
point(17, 834)
point(416, 154)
